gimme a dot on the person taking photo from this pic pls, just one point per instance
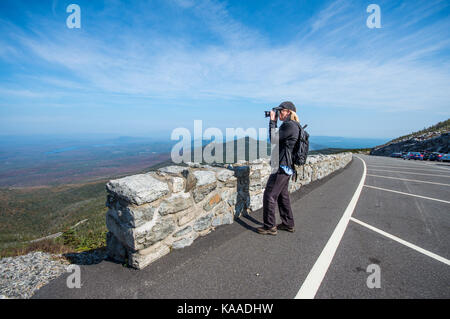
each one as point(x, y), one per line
point(276, 192)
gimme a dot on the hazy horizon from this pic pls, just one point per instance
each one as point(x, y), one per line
point(162, 137)
point(141, 68)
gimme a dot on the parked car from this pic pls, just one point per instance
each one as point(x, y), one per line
point(445, 158)
point(418, 156)
point(414, 156)
point(397, 155)
point(426, 155)
point(435, 156)
point(406, 156)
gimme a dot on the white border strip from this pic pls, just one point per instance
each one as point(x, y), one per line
point(404, 172)
point(403, 242)
point(435, 164)
point(315, 277)
point(409, 194)
point(409, 180)
point(433, 169)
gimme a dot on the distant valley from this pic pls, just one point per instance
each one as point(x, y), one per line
point(49, 162)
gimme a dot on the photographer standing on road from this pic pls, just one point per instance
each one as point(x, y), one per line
point(276, 191)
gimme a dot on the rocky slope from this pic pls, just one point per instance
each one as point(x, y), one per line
point(429, 141)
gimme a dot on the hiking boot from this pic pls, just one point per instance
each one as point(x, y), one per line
point(286, 228)
point(265, 231)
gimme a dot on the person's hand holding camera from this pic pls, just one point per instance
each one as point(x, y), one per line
point(273, 116)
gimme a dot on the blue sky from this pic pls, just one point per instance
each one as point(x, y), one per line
point(143, 68)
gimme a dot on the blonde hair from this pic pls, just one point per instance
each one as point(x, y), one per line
point(294, 116)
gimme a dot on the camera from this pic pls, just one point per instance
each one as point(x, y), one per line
point(267, 113)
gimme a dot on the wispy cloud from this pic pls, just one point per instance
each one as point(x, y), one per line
point(208, 54)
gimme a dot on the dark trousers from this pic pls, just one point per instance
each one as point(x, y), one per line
point(277, 193)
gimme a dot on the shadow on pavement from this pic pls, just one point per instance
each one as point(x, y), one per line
point(89, 257)
point(246, 225)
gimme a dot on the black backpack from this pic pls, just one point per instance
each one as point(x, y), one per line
point(300, 152)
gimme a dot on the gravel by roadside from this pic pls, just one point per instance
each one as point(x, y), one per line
point(22, 276)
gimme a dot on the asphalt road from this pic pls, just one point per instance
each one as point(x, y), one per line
point(236, 262)
point(420, 221)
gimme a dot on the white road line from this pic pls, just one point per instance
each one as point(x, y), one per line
point(315, 277)
point(441, 166)
point(447, 167)
point(429, 164)
point(409, 180)
point(403, 172)
point(403, 242)
point(408, 167)
point(416, 163)
point(409, 194)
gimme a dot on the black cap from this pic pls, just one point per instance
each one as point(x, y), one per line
point(287, 105)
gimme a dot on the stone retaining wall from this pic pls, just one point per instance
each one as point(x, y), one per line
point(151, 214)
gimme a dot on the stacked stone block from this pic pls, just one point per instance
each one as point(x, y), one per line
point(150, 214)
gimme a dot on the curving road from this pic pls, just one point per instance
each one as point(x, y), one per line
point(379, 220)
